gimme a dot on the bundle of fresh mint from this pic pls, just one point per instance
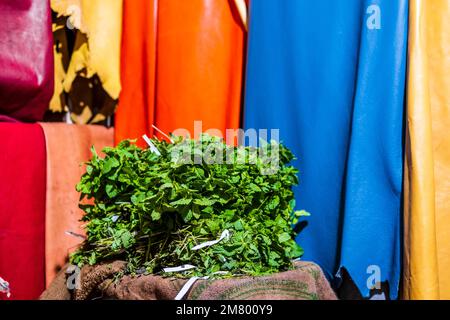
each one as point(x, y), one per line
point(165, 206)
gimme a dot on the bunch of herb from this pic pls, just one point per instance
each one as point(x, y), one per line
point(151, 208)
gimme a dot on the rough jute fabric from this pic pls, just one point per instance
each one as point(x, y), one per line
point(306, 282)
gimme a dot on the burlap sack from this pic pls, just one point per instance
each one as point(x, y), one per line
point(305, 282)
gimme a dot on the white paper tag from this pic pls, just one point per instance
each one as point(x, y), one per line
point(188, 286)
point(153, 148)
point(76, 235)
point(165, 135)
point(191, 282)
point(184, 267)
point(225, 235)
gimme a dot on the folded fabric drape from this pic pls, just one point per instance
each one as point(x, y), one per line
point(135, 112)
point(101, 22)
point(68, 146)
point(427, 160)
point(200, 65)
point(90, 73)
point(22, 209)
point(331, 76)
point(26, 59)
point(182, 62)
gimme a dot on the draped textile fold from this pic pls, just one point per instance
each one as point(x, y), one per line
point(68, 147)
point(22, 209)
point(187, 66)
point(87, 35)
point(427, 159)
point(101, 22)
point(26, 59)
point(331, 76)
point(135, 112)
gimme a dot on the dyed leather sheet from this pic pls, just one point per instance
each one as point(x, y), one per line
point(68, 146)
point(26, 59)
point(136, 110)
point(87, 37)
point(22, 209)
point(427, 161)
point(187, 66)
point(331, 76)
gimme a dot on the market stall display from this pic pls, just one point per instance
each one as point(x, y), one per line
point(212, 205)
